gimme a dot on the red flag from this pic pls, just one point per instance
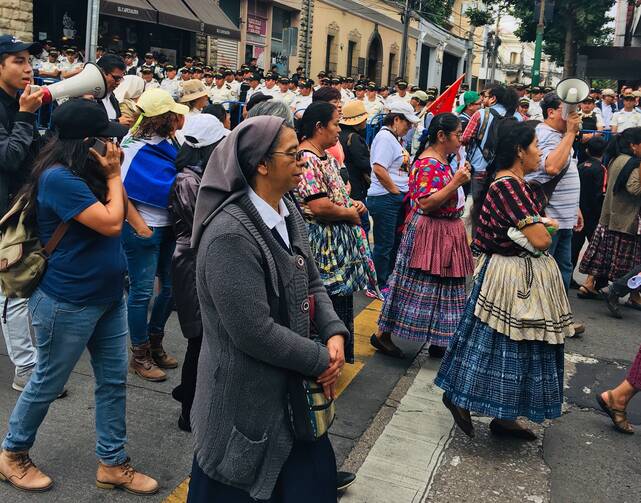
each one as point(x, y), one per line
point(445, 102)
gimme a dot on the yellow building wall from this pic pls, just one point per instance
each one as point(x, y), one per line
point(348, 26)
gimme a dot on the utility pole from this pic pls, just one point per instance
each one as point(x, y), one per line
point(538, 47)
point(406, 27)
point(91, 35)
point(495, 47)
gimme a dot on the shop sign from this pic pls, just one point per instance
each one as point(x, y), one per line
point(256, 25)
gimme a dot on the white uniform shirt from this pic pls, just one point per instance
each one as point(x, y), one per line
point(374, 107)
point(300, 103)
point(221, 94)
point(624, 120)
point(66, 66)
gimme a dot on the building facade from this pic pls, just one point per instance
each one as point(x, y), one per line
point(352, 38)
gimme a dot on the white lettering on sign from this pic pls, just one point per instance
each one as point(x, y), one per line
point(128, 10)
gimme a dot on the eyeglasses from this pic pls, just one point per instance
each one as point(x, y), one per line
point(294, 155)
point(116, 78)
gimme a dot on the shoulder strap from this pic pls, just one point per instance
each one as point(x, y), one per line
point(57, 235)
point(349, 139)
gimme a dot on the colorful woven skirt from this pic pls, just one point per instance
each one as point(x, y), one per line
point(611, 254)
point(342, 256)
point(422, 306)
point(486, 372)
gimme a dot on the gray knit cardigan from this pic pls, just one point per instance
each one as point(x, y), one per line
point(239, 418)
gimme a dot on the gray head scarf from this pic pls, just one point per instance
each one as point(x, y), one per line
point(233, 161)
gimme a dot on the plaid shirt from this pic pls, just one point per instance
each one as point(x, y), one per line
point(472, 128)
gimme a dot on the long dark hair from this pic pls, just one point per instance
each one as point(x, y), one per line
point(73, 155)
point(621, 143)
point(319, 112)
point(446, 122)
point(511, 136)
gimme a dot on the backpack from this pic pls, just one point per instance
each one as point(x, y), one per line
point(490, 132)
point(23, 259)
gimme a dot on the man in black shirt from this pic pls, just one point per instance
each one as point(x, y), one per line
point(19, 141)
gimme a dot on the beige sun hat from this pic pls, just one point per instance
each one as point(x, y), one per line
point(354, 112)
point(191, 90)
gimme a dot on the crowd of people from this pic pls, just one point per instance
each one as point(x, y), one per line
point(259, 231)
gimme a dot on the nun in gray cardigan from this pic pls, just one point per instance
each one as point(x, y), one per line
point(255, 273)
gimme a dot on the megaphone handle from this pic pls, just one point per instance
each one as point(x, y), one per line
point(46, 95)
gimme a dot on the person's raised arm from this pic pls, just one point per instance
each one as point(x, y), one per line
point(558, 158)
point(107, 218)
point(15, 145)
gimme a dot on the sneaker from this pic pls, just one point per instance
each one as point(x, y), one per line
point(20, 381)
point(344, 480)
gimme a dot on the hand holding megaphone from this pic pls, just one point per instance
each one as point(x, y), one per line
point(30, 100)
point(572, 91)
point(91, 80)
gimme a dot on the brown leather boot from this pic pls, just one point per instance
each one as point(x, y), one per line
point(18, 469)
point(162, 359)
point(142, 364)
point(125, 477)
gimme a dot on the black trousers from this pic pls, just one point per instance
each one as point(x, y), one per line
point(308, 475)
point(579, 237)
point(186, 390)
point(620, 287)
point(344, 307)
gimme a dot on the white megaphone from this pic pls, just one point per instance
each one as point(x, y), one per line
point(572, 91)
point(91, 80)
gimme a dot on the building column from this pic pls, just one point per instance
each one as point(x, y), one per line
point(16, 18)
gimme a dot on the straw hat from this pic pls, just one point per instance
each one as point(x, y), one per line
point(353, 113)
point(191, 90)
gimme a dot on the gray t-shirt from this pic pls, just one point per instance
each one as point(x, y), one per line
point(564, 203)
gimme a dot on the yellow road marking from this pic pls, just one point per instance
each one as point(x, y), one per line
point(365, 324)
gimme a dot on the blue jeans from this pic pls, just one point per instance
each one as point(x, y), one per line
point(387, 214)
point(62, 332)
point(146, 259)
point(561, 250)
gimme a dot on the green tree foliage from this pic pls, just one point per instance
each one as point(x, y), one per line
point(435, 11)
point(574, 25)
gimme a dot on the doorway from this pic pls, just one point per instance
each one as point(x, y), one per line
point(375, 59)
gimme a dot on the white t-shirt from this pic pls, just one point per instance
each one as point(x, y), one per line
point(387, 151)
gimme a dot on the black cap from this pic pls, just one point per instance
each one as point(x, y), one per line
point(336, 80)
point(402, 84)
point(257, 98)
point(189, 58)
point(80, 118)
point(372, 87)
point(359, 87)
point(321, 74)
point(197, 69)
point(169, 68)
point(146, 69)
point(271, 76)
point(254, 76)
point(188, 70)
point(218, 75)
point(131, 50)
point(325, 80)
point(349, 79)
point(588, 99)
point(283, 80)
point(307, 83)
point(149, 55)
point(228, 72)
point(536, 90)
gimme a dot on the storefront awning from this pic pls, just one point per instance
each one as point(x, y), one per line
point(174, 13)
point(138, 10)
point(215, 21)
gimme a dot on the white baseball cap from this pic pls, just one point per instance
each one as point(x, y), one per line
point(404, 108)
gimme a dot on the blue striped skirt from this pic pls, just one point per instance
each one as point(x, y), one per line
point(486, 372)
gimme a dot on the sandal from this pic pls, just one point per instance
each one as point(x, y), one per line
point(396, 352)
point(618, 416)
point(585, 293)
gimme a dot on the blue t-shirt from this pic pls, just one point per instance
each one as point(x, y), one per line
point(86, 268)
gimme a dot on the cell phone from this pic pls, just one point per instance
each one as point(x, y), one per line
point(100, 147)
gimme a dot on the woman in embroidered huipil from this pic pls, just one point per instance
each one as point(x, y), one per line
point(427, 287)
point(506, 357)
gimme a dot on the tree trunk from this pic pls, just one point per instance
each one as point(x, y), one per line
point(569, 51)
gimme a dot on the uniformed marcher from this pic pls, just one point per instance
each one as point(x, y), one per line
point(221, 91)
point(285, 94)
point(374, 104)
point(304, 97)
point(270, 86)
point(147, 74)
